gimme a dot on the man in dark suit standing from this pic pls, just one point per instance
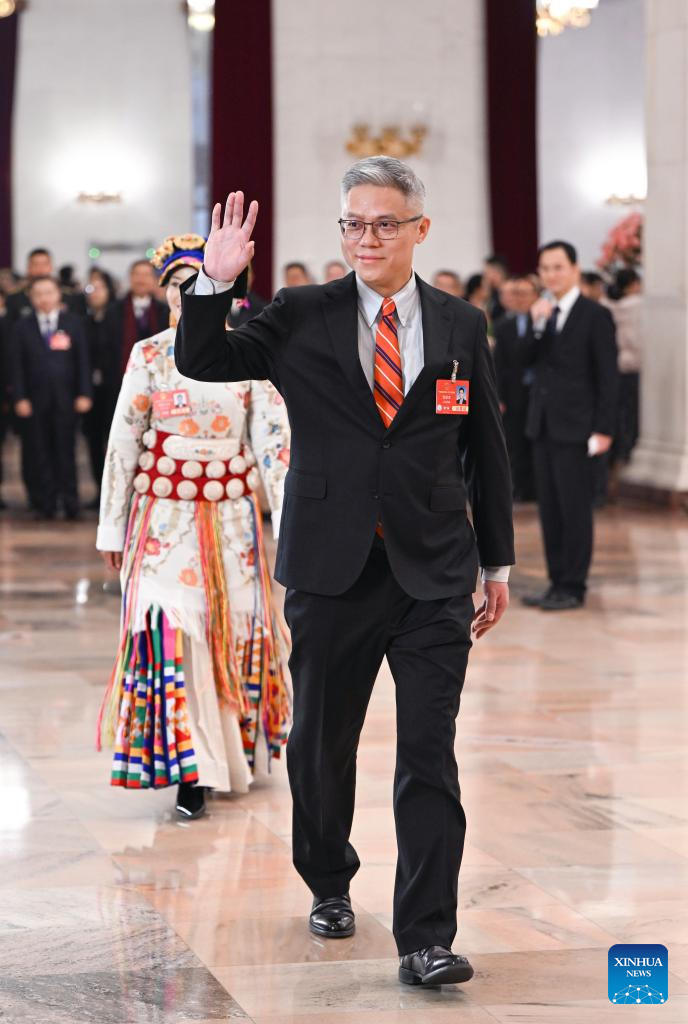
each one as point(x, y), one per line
point(512, 355)
point(50, 383)
point(375, 548)
point(570, 419)
point(39, 263)
point(137, 316)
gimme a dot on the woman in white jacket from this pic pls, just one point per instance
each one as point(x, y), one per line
point(198, 695)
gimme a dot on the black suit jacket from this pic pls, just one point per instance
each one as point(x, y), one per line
point(574, 392)
point(512, 356)
point(45, 376)
point(347, 470)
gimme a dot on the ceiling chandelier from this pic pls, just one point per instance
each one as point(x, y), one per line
point(553, 16)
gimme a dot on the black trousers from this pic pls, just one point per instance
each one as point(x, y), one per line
point(564, 483)
point(51, 448)
point(519, 446)
point(338, 644)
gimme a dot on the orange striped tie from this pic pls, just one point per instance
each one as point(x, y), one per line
point(388, 382)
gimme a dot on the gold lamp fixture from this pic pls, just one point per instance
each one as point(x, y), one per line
point(389, 141)
point(553, 16)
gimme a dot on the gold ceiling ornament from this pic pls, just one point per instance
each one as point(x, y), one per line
point(553, 16)
point(390, 141)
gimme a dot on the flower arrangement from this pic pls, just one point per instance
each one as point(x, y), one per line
point(623, 246)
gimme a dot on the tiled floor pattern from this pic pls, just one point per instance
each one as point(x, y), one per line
point(572, 751)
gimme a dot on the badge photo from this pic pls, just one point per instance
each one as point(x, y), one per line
point(452, 397)
point(60, 342)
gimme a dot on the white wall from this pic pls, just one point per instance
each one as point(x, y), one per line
point(102, 103)
point(591, 140)
point(379, 61)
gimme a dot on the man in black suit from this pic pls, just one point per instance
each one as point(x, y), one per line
point(570, 418)
point(512, 355)
point(375, 548)
point(137, 316)
point(50, 383)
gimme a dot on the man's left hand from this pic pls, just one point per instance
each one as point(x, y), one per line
point(493, 607)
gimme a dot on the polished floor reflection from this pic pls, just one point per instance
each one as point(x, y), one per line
point(572, 751)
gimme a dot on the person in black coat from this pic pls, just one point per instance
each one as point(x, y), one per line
point(50, 383)
point(137, 316)
point(375, 546)
point(571, 418)
point(98, 296)
point(512, 355)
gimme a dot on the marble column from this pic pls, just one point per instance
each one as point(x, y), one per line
point(661, 458)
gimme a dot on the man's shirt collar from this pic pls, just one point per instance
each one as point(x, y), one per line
point(370, 302)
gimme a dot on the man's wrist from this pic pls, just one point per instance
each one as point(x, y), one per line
point(496, 573)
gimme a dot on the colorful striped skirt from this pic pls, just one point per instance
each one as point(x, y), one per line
point(153, 745)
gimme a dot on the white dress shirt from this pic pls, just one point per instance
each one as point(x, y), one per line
point(410, 328)
point(141, 304)
point(565, 305)
point(47, 322)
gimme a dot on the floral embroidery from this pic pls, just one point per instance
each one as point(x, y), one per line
point(188, 428)
point(149, 352)
point(220, 424)
point(283, 455)
point(188, 577)
point(152, 546)
point(140, 402)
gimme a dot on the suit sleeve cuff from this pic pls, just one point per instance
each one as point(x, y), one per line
point(204, 285)
point(496, 574)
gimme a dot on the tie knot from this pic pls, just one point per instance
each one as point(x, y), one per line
point(388, 307)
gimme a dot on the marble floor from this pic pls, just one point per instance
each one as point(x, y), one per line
point(572, 752)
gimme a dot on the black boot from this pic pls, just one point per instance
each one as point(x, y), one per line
point(190, 800)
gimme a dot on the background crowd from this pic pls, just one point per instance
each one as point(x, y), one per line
point(65, 345)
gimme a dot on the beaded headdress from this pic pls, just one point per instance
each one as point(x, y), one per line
point(178, 251)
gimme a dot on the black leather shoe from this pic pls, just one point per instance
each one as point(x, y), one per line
point(332, 917)
point(434, 965)
point(535, 600)
point(560, 601)
point(190, 801)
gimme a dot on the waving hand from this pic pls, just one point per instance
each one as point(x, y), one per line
point(229, 247)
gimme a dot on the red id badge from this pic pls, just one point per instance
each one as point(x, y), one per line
point(452, 397)
point(171, 403)
point(60, 342)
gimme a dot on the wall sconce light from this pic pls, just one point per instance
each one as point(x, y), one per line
point(99, 198)
point(628, 200)
point(390, 141)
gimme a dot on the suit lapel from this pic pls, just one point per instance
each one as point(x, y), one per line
point(437, 327)
point(341, 313)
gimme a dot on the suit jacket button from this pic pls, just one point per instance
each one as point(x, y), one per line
point(376, 496)
point(386, 444)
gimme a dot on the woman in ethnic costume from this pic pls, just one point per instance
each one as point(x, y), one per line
point(197, 696)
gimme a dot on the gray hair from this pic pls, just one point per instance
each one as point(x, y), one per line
point(385, 172)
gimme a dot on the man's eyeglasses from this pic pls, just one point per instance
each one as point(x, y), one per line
point(382, 229)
